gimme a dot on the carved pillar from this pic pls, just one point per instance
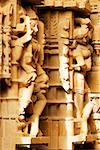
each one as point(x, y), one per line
point(65, 28)
point(8, 78)
point(63, 58)
point(94, 75)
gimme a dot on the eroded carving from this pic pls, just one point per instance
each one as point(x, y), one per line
point(33, 80)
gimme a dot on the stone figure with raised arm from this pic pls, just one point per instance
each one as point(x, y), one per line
point(32, 78)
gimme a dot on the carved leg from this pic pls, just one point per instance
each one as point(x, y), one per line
point(79, 92)
point(86, 113)
point(40, 104)
point(25, 94)
point(78, 99)
point(35, 126)
point(37, 108)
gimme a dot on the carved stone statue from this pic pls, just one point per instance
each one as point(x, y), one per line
point(32, 78)
point(82, 60)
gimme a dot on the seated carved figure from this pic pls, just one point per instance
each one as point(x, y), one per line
point(32, 78)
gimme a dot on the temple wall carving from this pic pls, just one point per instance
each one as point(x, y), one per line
point(49, 74)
